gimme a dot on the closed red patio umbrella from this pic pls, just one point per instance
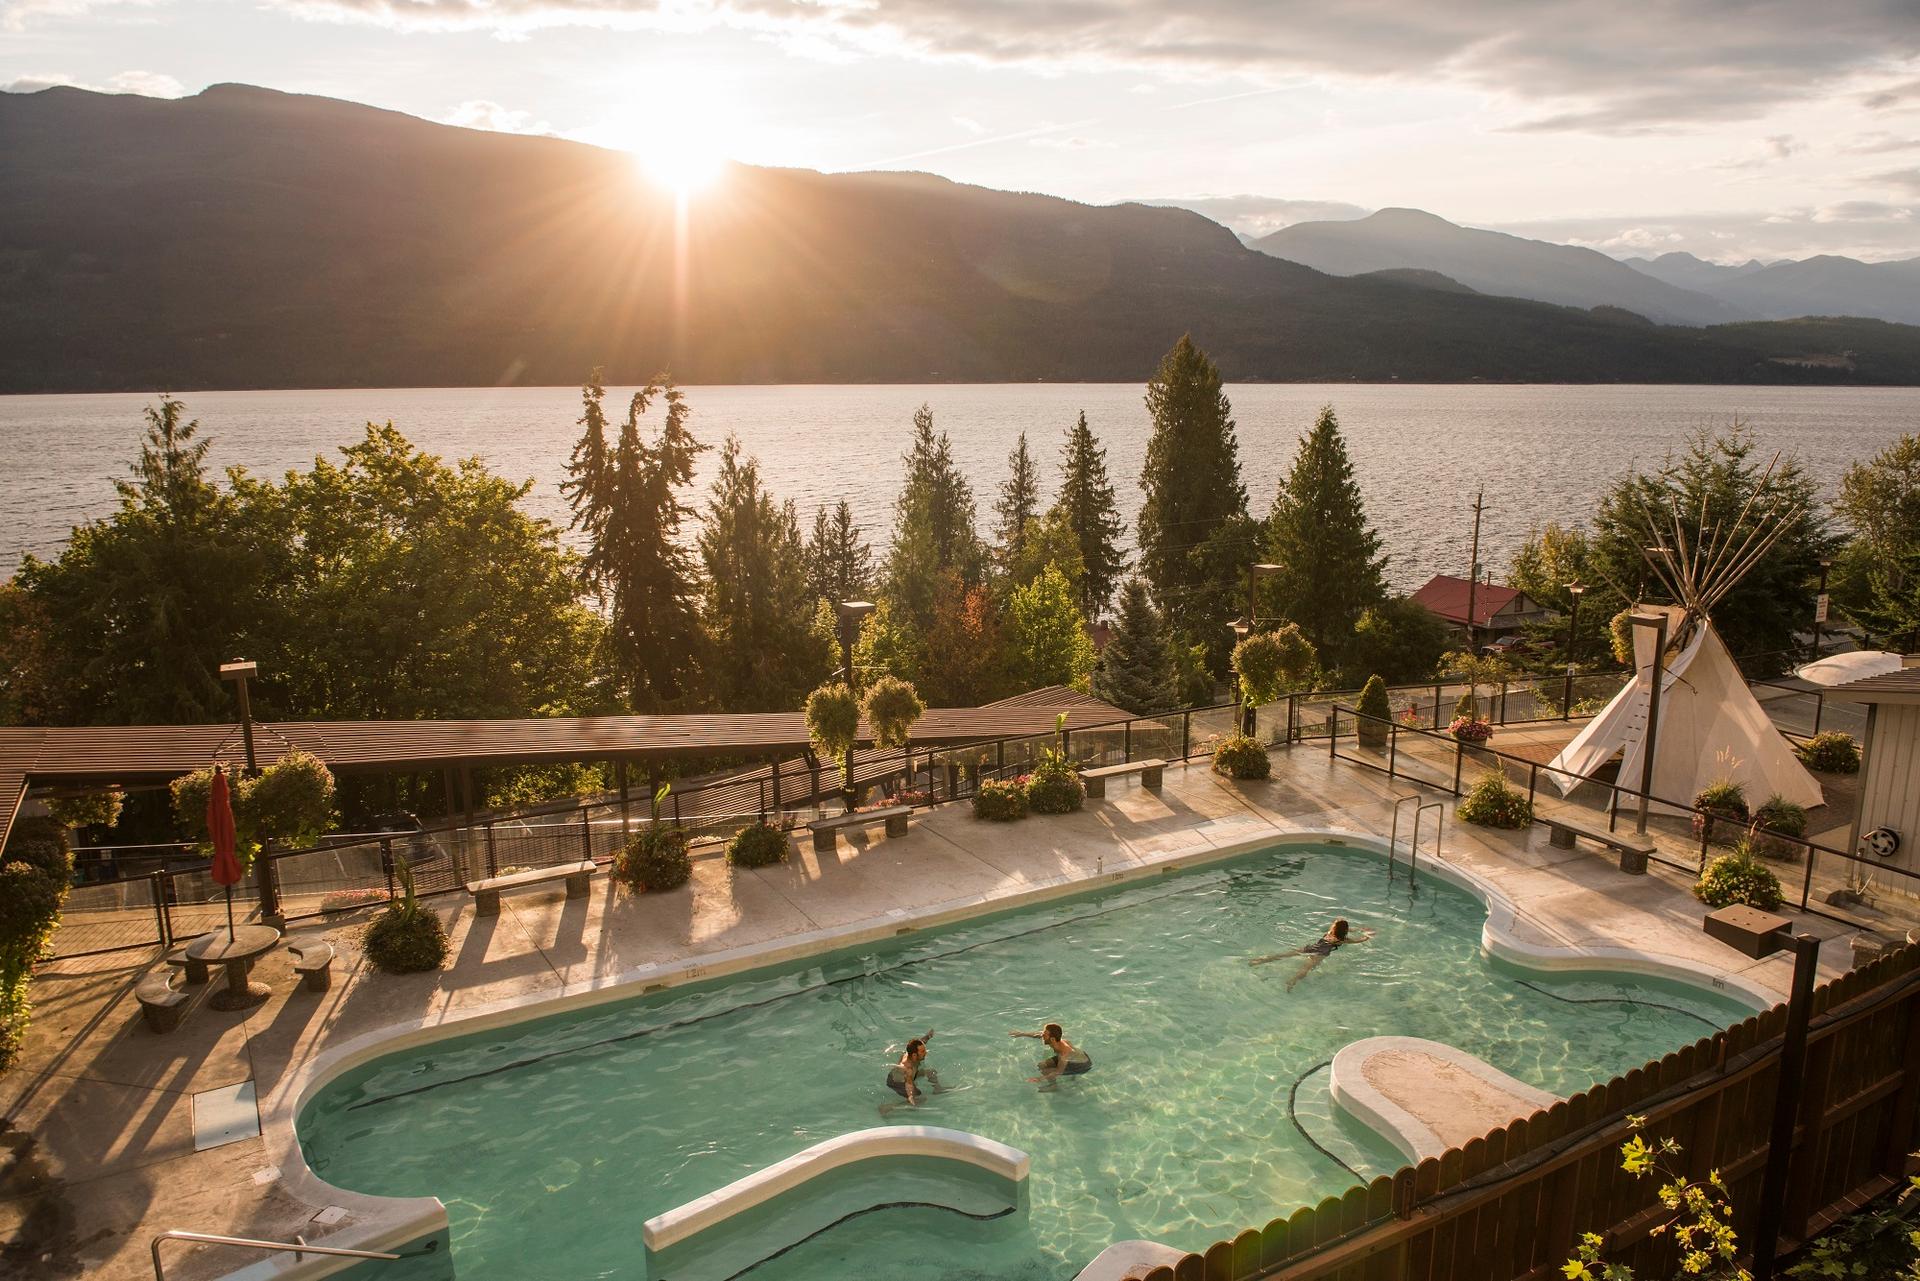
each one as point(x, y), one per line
point(226, 864)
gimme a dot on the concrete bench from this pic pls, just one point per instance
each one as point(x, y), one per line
point(196, 971)
point(313, 962)
point(486, 893)
point(823, 829)
point(161, 1003)
point(1634, 850)
point(1150, 772)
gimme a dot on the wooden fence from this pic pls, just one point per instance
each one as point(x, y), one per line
point(1513, 1204)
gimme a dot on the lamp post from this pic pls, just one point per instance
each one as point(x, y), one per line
point(1759, 934)
point(1254, 574)
point(239, 672)
point(1241, 629)
point(1820, 607)
point(1658, 622)
point(1575, 590)
point(850, 613)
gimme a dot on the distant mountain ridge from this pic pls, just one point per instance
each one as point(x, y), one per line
point(243, 237)
point(1825, 285)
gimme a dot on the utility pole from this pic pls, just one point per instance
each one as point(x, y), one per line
point(1820, 607)
point(1473, 576)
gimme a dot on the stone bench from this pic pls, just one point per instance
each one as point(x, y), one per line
point(1634, 850)
point(823, 829)
point(486, 893)
point(196, 971)
point(161, 1003)
point(1150, 772)
point(313, 962)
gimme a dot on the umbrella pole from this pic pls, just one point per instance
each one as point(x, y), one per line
point(229, 913)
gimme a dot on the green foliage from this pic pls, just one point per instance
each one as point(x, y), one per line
point(833, 719)
point(1776, 819)
point(626, 501)
point(406, 938)
point(890, 645)
point(760, 845)
point(966, 650)
point(1048, 542)
point(40, 843)
point(933, 525)
point(839, 562)
point(1136, 670)
point(655, 859)
point(1331, 569)
point(1086, 505)
point(1830, 752)
point(1620, 637)
point(291, 802)
point(524, 786)
point(1399, 638)
point(1494, 802)
point(1374, 703)
point(1193, 676)
point(1054, 787)
point(1699, 1218)
point(1879, 573)
point(1880, 1243)
point(1721, 810)
point(1272, 664)
point(1047, 641)
point(92, 809)
point(1000, 800)
point(1552, 556)
point(1016, 509)
point(1191, 478)
point(1467, 706)
point(762, 651)
point(1241, 756)
point(891, 706)
point(30, 902)
point(1738, 877)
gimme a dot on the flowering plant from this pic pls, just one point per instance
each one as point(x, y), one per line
point(1470, 729)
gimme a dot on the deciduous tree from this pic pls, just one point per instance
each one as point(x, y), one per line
point(1047, 642)
point(1878, 577)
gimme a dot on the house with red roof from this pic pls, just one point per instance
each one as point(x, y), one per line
point(1497, 610)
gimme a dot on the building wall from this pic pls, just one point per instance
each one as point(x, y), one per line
point(1890, 786)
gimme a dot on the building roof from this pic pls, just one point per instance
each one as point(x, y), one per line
point(1902, 686)
point(1446, 596)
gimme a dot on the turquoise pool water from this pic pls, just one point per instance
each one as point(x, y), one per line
point(552, 1141)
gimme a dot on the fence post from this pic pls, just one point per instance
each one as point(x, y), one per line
point(999, 757)
point(157, 881)
point(1333, 731)
point(1436, 704)
point(493, 858)
point(1566, 704)
point(1819, 706)
point(1533, 784)
point(1503, 700)
point(1066, 743)
point(1186, 735)
point(763, 800)
point(1706, 830)
point(1126, 743)
point(586, 835)
point(1806, 884)
point(1293, 718)
point(386, 862)
point(1459, 763)
point(1393, 746)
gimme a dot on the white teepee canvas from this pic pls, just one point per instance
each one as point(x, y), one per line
point(1711, 727)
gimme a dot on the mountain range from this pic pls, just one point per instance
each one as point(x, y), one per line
point(1827, 285)
point(244, 237)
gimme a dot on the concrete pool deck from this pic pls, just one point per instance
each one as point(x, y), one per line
point(97, 1122)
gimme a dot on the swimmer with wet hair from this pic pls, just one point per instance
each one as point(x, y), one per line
point(1338, 935)
point(904, 1077)
point(1068, 1059)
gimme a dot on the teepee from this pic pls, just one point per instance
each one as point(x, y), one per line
point(1710, 726)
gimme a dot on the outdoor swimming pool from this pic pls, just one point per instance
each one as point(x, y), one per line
point(551, 1141)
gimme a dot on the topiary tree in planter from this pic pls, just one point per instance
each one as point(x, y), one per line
point(761, 845)
point(1269, 665)
point(655, 860)
point(833, 723)
point(1373, 704)
point(406, 938)
point(1476, 670)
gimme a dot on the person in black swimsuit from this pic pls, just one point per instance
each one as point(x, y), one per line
point(1338, 935)
point(1068, 1059)
point(904, 1077)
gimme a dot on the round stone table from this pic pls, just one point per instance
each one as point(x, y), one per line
point(236, 952)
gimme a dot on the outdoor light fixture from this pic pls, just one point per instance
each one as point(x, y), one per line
point(1254, 574)
point(850, 612)
point(239, 671)
point(1755, 933)
point(1575, 590)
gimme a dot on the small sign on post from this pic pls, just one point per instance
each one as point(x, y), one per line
point(1820, 608)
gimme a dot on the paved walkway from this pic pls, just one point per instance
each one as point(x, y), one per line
point(96, 1125)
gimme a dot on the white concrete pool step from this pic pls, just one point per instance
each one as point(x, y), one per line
point(1426, 1097)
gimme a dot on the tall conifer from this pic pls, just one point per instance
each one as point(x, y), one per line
point(1018, 505)
point(1087, 504)
point(933, 524)
point(1136, 670)
point(1193, 489)
point(1331, 569)
point(839, 562)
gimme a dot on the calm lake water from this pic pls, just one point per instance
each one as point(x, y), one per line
point(1541, 452)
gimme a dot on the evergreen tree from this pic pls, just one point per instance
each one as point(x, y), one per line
point(1136, 671)
point(1331, 569)
point(1086, 503)
point(1192, 483)
point(1018, 506)
point(933, 525)
point(839, 563)
point(763, 654)
point(1877, 578)
point(966, 658)
point(888, 647)
point(1047, 642)
point(626, 499)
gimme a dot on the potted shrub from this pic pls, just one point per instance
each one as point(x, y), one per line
point(1001, 800)
point(1738, 877)
point(1777, 818)
point(1374, 709)
point(1830, 752)
point(1720, 811)
point(1269, 664)
point(406, 938)
point(761, 845)
point(1493, 802)
point(1055, 787)
point(655, 860)
point(1470, 730)
point(1242, 756)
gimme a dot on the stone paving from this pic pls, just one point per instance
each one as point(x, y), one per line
point(96, 1126)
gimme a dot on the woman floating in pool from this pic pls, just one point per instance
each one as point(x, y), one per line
point(904, 1077)
point(1338, 935)
point(1068, 1059)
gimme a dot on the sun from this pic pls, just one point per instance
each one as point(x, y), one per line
point(685, 164)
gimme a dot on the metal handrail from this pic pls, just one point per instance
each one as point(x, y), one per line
point(1413, 852)
point(296, 1247)
point(1393, 840)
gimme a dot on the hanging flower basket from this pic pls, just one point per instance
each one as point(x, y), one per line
point(1470, 730)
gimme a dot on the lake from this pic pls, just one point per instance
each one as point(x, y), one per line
point(1541, 452)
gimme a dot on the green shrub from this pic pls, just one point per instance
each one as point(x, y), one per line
point(1271, 663)
point(1779, 817)
point(761, 845)
point(30, 902)
point(1466, 707)
point(1054, 787)
point(406, 939)
point(1373, 703)
point(1738, 877)
point(291, 801)
point(655, 859)
point(1721, 813)
point(41, 843)
point(92, 809)
point(1493, 802)
point(1830, 753)
point(892, 706)
point(1242, 756)
point(1001, 800)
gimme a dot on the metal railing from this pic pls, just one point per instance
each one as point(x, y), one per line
point(297, 1247)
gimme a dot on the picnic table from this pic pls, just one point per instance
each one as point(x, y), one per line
point(235, 951)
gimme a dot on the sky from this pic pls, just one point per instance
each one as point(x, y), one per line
point(1724, 128)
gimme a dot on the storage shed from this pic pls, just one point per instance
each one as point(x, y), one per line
point(1886, 827)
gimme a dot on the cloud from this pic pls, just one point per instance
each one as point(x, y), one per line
point(1774, 148)
point(971, 125)
point(1586, 67)
point(1892, 96)
point(481, 113)
point(1075, 142)
point(1256, 216)
point(148, 84)
point(1879, 144)
point(1908, 179)
point(1871, 230)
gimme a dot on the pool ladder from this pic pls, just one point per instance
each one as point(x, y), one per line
point(1413, 843)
